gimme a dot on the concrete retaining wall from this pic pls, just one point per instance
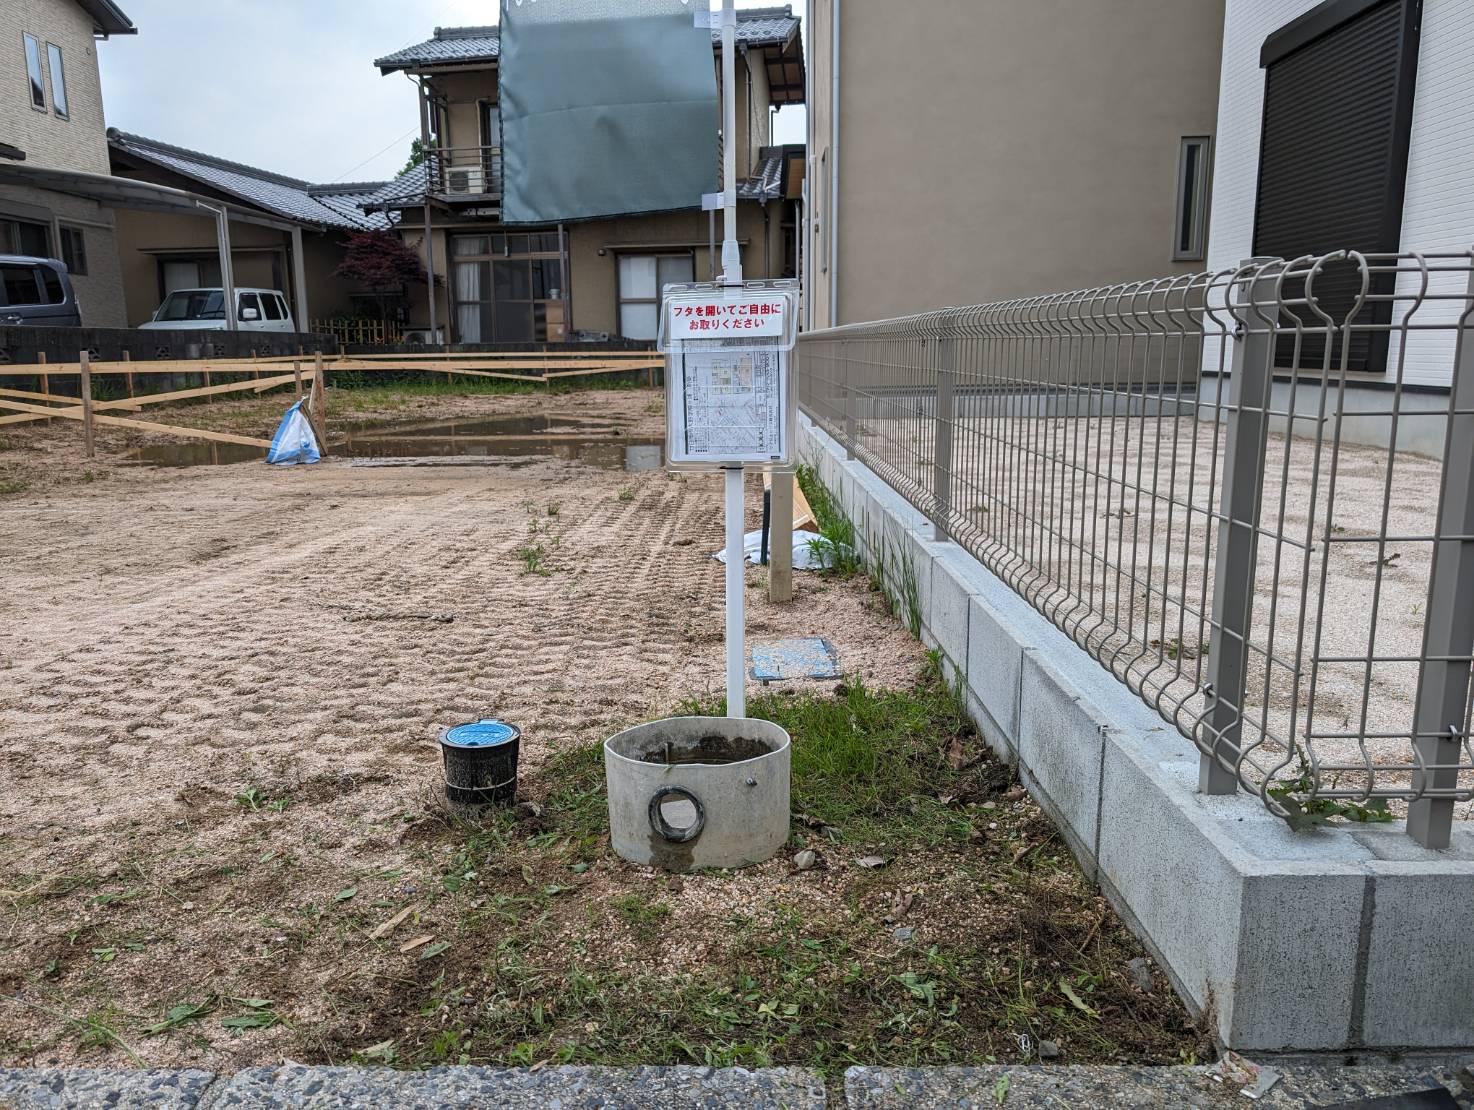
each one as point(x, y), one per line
point(1353, 941)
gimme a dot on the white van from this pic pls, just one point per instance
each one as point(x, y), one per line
point(204, 310)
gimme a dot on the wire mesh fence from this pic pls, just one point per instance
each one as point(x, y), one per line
point(1249, 494)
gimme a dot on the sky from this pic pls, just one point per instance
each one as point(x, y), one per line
point(290, 86)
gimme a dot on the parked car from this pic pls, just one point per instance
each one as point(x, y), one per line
point(37, 291)
point(204, 310)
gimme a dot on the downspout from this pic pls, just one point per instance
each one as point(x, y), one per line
point(833, 215)
point(428, 222)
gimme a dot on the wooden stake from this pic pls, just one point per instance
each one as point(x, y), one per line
point(780, 540)
point(87, 432)
point(45, 378)
point(128, 374)
point(297, 373)
point(319, 405)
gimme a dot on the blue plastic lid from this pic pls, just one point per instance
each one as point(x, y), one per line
point(485, 733)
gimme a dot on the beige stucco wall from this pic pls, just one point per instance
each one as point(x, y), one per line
point(76, 143)
point(594, 277)
point(998, 149)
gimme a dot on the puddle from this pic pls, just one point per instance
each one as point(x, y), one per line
point(488, 441)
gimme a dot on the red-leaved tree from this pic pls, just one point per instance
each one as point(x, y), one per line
point(382, 263)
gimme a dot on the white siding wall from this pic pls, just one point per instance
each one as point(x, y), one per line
point(1438, 213)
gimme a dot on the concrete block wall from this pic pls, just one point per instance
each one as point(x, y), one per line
point(1347, 942)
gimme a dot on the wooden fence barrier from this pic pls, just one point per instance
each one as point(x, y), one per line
point(24, 406)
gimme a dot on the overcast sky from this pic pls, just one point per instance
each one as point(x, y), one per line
point(289, 86)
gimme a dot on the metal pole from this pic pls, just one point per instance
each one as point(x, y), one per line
point(945, 417)
point(736, 607)
point(1448, 634)
point(299, 280)
point(1238, 527)
point(227, 271)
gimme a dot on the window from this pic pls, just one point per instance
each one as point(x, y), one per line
point(1338, 98)
point(506, 287)
point(33, 72)
point(271, 306)
point(74, 250)
point(51, 283)
point(1190, 240)
point(24, 237)
point(192, 304)
point(249, 301)
point(58, 80)
point(20, 285)
point(188, 273)
point(641, 278)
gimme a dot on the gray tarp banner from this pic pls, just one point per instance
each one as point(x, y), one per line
point(608, 107)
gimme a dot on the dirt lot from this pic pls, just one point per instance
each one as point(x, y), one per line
point(220, 689)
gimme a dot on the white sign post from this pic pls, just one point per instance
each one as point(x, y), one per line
point(728, 383)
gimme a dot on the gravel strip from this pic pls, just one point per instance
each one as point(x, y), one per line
point(556, 1088)
point(116, 1088)
point(1163, 1087)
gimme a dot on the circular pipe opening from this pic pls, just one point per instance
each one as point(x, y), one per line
point(676, 814)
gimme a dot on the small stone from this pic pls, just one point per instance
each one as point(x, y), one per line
point(676, 884)
point(904, 933)
point(806, 860)
point(1048, 1050)
point(187, 906)
point(870, 862)
point(1140, 970)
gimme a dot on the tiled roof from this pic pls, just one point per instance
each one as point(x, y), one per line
point(766, 182)
point(469, 45)
point(333, 205)
point(407, 188)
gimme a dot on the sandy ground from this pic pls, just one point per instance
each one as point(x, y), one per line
point(1104, 525)
point(174, 640)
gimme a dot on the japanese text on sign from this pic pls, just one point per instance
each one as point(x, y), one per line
point(719, 318)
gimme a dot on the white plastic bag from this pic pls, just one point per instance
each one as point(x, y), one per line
point(294, 441)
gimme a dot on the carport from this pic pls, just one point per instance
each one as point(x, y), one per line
point(145, 196)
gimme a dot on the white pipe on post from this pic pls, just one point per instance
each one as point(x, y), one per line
point(732, 276)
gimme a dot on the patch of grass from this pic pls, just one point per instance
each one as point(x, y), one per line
point(13, 485)
point(836, 546)
point(872, 764)
point(641, 914)
point(627, 493)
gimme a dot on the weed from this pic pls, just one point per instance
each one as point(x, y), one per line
point(1303, 810)
point(534, 556)
point(13, 485)
point(254, 801)
point(553, 507)
point(627, 493)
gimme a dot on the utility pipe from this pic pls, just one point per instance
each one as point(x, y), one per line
point(833, 215)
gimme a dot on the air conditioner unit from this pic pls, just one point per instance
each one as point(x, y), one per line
point(469, 181)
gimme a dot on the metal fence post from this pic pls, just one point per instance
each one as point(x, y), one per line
point(851, 400)
point(945, 416)
point(1238, 528)
point(1448, 633)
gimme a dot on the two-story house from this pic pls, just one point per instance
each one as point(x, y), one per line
point(51, 118)
point(588, 278)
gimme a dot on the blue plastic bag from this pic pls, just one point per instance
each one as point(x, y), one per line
point(294, 441)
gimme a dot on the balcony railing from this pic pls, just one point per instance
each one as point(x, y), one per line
point(466, 173)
